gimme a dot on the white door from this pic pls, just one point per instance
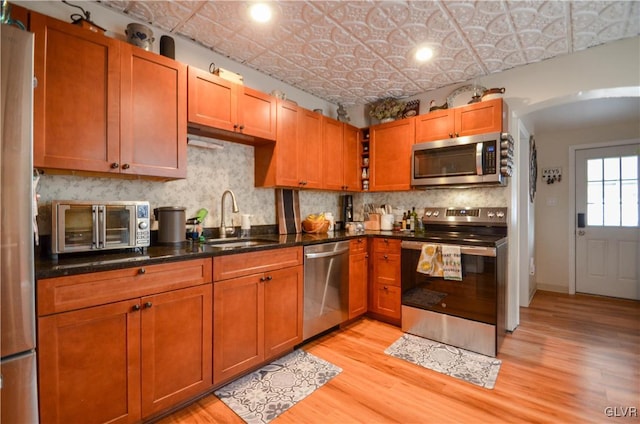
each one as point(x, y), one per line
point(608, 232)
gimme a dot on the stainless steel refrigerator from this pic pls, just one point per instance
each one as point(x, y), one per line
point(18, 393)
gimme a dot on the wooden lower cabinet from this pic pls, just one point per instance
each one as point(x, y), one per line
point(358, 273)
point(385, 281)
point(257, 313)
point(127, 360)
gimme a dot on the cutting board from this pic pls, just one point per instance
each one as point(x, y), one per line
point(288, 211)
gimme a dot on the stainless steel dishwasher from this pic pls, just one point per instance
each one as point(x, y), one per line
point(326, 286)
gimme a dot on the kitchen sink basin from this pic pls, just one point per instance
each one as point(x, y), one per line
point(237, 243)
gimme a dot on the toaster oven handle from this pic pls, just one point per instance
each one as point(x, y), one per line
point(95, 237)
point(102, 226)
point(479, 151)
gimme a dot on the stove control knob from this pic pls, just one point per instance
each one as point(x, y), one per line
point(428, 213)
point(436, 213)
point(491, 215)
point(500, 214)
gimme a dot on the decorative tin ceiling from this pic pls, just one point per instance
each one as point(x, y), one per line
point(355, 52)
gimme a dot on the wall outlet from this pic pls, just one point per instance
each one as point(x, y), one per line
point(551, 175)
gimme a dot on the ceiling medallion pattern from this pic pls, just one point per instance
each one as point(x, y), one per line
point(355, 52)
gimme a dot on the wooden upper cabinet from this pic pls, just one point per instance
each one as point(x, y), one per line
point(351, 157)
point(310, 154)
point(104, 106)
point(340, 155)
point(333, 147)
point(390, 155)
point(153, 114)
point(230, 111)
point(77, 100)
point(295, 160)
point(213, 101)
point(477, 118)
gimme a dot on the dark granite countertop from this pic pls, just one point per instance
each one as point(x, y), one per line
point(71, 264)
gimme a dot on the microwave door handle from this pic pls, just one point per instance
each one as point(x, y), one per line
point(479, 150)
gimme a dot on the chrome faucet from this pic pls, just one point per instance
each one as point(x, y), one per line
point(224, 230)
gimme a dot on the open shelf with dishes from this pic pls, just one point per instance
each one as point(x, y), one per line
point(364, 159)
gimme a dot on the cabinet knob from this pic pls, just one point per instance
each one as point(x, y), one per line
point(360, 240)
point(135, 307)
point(142, 271)
point(269, 278)
point(241, 127)
point(366, 255)
point(115, 165)
point(386, 241)
point(235, 126)
point(457, 134)
point(126, 166)
point(385, 287)
point(148, 304)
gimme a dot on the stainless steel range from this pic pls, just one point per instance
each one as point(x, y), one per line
point(466, 306)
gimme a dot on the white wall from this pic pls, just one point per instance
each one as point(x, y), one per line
point(553, 208)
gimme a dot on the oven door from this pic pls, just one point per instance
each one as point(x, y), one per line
point(474, 297)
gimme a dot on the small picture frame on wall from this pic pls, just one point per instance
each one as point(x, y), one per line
point(412, 108)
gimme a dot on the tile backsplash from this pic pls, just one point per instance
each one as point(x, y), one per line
point(211, 172)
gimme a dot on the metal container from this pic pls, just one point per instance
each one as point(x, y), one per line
point(171, 224)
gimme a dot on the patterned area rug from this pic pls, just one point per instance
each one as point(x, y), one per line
point(469, 366)
point(264, 394)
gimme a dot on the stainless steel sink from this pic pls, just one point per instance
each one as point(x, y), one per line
point(237, 243)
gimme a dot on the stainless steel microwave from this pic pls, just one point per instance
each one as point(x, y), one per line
point(90, 226)
point(477, 159)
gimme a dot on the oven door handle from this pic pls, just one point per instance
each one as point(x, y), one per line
point(464, 250)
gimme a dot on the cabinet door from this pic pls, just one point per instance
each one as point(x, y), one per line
point(286, 150)
point(479, 118)
point(390, 157)
point(257, 114)
point(153, 114)
point(282, 310)
point(387, 301)
point(386, 269)
point(333, 150)
point(213, 101)
point(351, 158)
point(76, 118)
point(176, 347)
point(358, 281)
point(310, 155)
point(437, 125)
point(89, 365)
point(238, 336)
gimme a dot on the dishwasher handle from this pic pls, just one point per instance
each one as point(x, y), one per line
point(326, 254)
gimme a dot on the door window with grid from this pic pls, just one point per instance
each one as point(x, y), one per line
point(612, 191)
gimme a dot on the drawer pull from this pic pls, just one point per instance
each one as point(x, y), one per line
point(386, 257)
point(136, 307)
point(269, 278)
point(148, 304)
point(142, 271)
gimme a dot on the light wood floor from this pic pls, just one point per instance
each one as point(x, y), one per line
point(570, 358)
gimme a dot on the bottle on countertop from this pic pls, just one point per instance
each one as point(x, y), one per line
point(414, 219)
point(404, 221)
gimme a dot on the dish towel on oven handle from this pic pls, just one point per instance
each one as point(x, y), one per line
point(452, 262)
point(430, 261)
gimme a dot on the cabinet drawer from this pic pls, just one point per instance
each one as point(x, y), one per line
point(231, 266)
point(387, 269)
point(386, 245)
point(80, 291)
point(357, 246)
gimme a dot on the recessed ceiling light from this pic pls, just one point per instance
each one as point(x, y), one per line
point(260, 12)
point(423, 54)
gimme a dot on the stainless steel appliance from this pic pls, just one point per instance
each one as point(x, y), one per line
point(469, 313)
point(19, 394)
point(79, 226)
point(326, 287)
point(477, 159)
